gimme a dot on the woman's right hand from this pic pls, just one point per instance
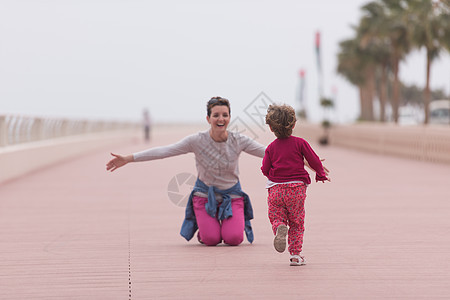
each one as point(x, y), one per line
point(118, 161)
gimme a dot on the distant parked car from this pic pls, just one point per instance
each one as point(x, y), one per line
point(410, 115)
point(440, 112)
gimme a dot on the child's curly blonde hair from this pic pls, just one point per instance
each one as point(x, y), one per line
point(281, 119)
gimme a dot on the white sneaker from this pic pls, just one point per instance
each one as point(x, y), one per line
point(297, 260)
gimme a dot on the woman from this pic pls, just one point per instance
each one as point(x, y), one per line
point(217, 206)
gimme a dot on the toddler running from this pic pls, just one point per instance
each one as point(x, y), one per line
point(283, 165)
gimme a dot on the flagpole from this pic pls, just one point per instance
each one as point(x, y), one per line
point(301, 98)
point(319, 65)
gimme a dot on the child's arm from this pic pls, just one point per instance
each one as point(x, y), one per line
point(324, 168)
point(314, 162)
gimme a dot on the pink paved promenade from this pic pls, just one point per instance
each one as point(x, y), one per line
point(380, 230)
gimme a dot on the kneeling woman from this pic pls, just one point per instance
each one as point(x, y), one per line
point(217, 206)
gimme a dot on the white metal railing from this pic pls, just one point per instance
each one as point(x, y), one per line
point(17, 129)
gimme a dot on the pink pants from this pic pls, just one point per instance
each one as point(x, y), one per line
point(287, 206)
point(212, 231)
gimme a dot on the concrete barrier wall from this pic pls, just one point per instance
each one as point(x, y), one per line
point(36, 148)
point(28, 143)
point(20, 159)
point(427, 143)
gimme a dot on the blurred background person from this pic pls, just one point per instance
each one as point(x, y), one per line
point(146, 123)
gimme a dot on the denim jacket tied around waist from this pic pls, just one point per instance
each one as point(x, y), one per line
point(225, 211)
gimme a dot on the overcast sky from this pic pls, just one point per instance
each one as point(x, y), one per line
point(110, 59)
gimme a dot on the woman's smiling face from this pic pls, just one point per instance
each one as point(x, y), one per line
point(220, 118)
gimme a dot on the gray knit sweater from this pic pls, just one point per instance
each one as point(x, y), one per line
point(216, 162)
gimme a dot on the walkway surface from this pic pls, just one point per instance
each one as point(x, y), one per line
point(380, 229)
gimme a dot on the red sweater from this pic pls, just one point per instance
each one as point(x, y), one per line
point(283, 161)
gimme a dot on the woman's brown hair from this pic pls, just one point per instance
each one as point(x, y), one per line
point(281, 119)
point(214, 101)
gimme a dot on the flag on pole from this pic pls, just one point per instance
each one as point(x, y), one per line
point(319, 65)
point(302, 87)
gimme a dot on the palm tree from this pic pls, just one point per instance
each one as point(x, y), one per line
point(381, 41)
point(350, 65)
point(396, 30)
point(357, 64)
point(368, 67)
point(372, 31)
point(430, 23)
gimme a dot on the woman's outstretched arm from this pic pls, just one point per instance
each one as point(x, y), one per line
point(181, 147)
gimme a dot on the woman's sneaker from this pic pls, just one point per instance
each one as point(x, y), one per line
point(279, 242)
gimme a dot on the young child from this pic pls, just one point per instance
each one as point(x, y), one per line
point(283, 165)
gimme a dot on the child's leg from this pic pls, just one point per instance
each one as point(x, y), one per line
point(295, 198)
point(208, 227)
point(233, 227)
point(276, 208)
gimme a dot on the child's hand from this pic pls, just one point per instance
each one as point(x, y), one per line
point(323, 180)
point(327, 172)
point(325, 168)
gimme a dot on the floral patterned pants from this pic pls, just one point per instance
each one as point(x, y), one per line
point(287, 206)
